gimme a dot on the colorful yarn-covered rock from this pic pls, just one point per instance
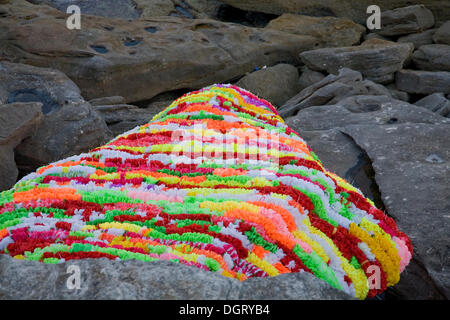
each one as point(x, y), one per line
point(217, 181)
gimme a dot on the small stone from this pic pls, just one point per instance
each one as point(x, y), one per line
point(419, 39)
point(309, 77)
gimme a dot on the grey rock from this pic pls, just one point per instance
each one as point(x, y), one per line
point(373, 35)
point(69, 125)
point(406, 20)
point(442, 35)
point(332, 89)
point(102, 279)
point(412, 166)
point(341, 155)
point(107, 101)
point(145, 57)
point(376, 59)
point(17, 122)
point(262, 83)
point(437, 103)
point(309, 77)
point(122, 118)
point(419, 39)
point(397, 94)
point(367, 110)
point(329, 31)
point(423, 82)
point(432, 57)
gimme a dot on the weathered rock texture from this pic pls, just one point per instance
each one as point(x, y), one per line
point(69, 124)
point(376, 59)
point(142, 58)
point(330, 31)
point(17, 122)
point(275, 84)
point(102, 279)
point(423, 82)
point(432, 57)
point(355, 10)
point(406, 20)
point(331, 90)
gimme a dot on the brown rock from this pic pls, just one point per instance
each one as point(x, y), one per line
point(330, 31)
point(141, 58)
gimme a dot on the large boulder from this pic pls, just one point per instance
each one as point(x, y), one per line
point(330, 31)
point(69, 124)
point(406, 20)
point(141, 58)
point(423, 82)
point(432, 57)
point(376, 59)
point(331, 90)
point(261, 83)
point(102, 279)
point(355, 10)
point(398, 154)
point(17, 122)
point(411, 164)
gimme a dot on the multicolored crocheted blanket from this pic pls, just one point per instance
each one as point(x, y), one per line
point(216, 181)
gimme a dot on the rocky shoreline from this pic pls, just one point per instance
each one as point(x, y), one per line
point(374, 106)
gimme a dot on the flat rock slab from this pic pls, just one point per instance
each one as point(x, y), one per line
point(376, 59)
point(420, 38)
point(412, 166)
point(406, 20)
point(102, 279)
point(423, 82)
point(142, 58)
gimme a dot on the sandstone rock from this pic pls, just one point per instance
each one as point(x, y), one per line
point(123, 9)
point(419, 39)
point(432, 57)
point(107, 101)
point(275, 84)
point(142, 58)
point(442, 35)
point(121, 118)
point(423, 82)
point(406, 20)
point(330, 31)
point(69, 125)
point(17, 122)
point(377, 60)
point(102, 279)
point(330, 90)
point(309, 77)
point(411, 163)
point(437, 103)
point(373, 35)
point(355, 10)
